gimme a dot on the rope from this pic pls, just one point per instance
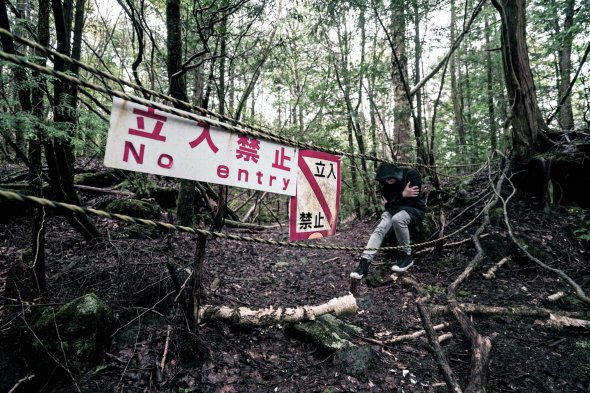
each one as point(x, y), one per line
point(13, 196)
point(252, 130)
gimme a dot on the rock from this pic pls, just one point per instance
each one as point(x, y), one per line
point(84, 327)
point(355, 360)
point(327, 332)
point(133, 208)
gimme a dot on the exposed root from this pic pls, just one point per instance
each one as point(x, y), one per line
point(579, 291)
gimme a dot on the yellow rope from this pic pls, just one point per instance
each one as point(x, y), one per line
point(9, 195)
point(243, 129)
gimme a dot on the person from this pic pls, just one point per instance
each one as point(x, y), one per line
point(400, 190)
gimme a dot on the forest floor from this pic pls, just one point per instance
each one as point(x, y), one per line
point(127, 268)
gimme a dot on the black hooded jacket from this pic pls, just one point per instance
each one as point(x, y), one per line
point(415, 206)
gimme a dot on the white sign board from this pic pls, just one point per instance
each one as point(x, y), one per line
point(314, 209)
point(147, 140)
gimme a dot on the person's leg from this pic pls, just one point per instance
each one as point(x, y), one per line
point(374, 243)
point(400, 222)
point(377, 236)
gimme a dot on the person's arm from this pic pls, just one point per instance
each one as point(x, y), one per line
point(413, 185)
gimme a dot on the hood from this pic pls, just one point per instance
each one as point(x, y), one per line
point(385, 170)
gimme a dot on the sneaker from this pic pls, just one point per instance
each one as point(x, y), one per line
point(403, 264)
point(362, 269)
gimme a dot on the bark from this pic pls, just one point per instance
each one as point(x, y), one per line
point(456, 92)
point(402, 112)
point(566, 115)
point(59, 152)
point(177, 89)
point(490, 88)
point(528, 126)
point(35, 155)
point(270, 316)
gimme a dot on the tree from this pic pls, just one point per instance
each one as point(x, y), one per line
point(529, 128)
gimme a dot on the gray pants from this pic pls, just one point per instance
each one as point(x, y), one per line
point(399, 222)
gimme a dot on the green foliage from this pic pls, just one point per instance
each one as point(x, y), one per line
point(583, 232)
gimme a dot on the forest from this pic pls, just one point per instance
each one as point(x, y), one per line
point(130, 265)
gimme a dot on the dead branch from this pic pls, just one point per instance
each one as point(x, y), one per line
point(485, 310)
point(560, 322)
point(270, 316)
point(492, 272)
point(444, 337)
point(579, 291)
point(406, 337)
point(26, 378)
point(556, 296)
point(163, 362)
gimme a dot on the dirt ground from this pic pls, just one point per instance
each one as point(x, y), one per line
point(127, 268)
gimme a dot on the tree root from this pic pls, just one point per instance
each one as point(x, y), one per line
point(579, 291)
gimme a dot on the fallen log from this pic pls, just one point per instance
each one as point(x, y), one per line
point(270, 316)
point(485, 310)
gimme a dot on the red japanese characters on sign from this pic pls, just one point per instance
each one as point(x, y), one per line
point(314, 209)
point(144, 139)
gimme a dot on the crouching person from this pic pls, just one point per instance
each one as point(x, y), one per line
point(401, 190)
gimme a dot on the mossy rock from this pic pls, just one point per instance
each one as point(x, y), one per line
point(79, 330)
point(165, 196)
point(98, 179)
point(133, 208)
point(356, 361)
point(327, 332)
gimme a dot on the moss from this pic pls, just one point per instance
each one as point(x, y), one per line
point(98, 179)
point(79, 329)
point(132, 207)
point(327, 332)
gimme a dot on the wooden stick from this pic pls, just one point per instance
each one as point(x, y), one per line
point(163, 362)
point(26, 378)
point(556, 296)
point(492, 272)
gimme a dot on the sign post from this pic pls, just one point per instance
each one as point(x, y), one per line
point(314, 209)
point(144, 139)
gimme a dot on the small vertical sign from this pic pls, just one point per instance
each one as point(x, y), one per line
point(314, 208)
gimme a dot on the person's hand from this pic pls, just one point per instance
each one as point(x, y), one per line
point(383, 201)
point(410, 192)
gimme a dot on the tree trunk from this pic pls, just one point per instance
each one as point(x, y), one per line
point(59, 152)
point(35, 155)
point(528, 125)
point(490, 88)
point(566, 116)
point(456, 93)
point(186, 194)
point(401, 128)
